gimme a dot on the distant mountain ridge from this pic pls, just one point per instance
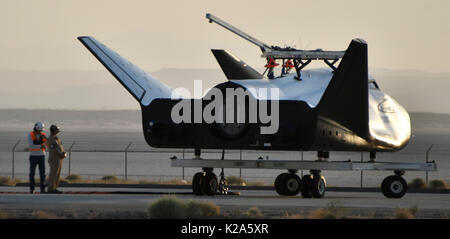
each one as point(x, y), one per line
point(417, 91)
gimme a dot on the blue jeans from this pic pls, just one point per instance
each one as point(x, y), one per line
point(34, 161)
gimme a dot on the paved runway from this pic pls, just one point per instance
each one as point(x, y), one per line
point(124, 200)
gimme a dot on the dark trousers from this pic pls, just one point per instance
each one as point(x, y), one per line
point(34, 161)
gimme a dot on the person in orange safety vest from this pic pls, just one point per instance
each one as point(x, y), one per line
point(37, 142)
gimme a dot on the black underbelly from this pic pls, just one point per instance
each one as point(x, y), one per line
point(296, 131)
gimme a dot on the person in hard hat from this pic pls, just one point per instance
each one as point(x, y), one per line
point(271, 64)
point(55, 158)
point(37, 141)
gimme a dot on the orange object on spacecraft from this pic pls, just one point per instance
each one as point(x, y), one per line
point(288, 64)
point(271, 63)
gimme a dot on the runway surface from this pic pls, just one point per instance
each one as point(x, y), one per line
point(83, 201)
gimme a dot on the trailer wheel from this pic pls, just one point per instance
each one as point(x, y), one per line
point(197, 184)
point(394, 187)
point(306, 187)
point(290, 184)
point(277, 184)
point(209, 184)
point(318, 186)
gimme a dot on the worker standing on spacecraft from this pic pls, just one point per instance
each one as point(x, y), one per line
point(56, 156)
point(37, 142)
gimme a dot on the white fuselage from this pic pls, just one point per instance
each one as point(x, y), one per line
point(389, 122)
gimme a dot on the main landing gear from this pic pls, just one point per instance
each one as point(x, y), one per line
point(310, 186)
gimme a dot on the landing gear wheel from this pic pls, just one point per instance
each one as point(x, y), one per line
point(306, 187)
point(318, 186)
point(197, 184)
point(209, 184)
point(394, 187)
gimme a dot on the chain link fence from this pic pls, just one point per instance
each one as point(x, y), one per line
point(137, 161)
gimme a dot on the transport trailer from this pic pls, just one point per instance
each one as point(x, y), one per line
point(312, 185)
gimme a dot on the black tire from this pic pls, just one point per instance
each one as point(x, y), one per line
point(394, 187)
point(196, 184)
point(209, 184)
point(277, 184)
point(290, 184)
point(318, 186)
point(306, 186)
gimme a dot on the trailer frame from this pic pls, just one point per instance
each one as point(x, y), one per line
point(290, 184)
point(303, 165)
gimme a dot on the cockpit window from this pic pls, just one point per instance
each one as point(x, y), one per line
point(373, 85)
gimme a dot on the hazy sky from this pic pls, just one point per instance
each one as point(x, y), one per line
point(41, 35)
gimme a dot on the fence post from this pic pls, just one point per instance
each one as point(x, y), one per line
point(362, 171)
point(240, 158)
point(13, 150)
point(427, 161)
point(70, 155)
point(183, 167)
point(301, 171)
point(126, 160)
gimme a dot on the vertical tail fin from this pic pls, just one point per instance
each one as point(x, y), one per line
point(233, 67)
point(346, 99)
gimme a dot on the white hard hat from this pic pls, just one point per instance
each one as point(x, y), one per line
point(39, 126)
